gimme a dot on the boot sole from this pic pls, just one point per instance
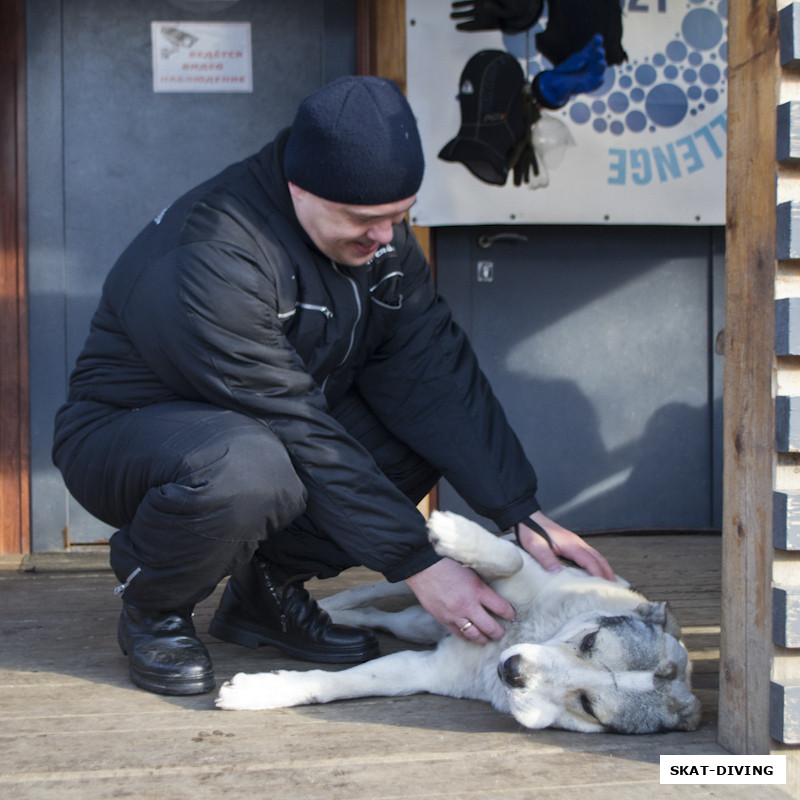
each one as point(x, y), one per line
point(173, 687)
point(240, 633)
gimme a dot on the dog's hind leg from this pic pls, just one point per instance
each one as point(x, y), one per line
point(466, 541)
point(406, 672)
point(358, 606)
point(412, 624)
point(366, 594)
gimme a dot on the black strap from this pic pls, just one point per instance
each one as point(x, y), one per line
point(534, 526)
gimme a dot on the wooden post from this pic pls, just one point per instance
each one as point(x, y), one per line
point(759, 660)
point(14, 413)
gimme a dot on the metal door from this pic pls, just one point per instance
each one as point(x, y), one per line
point(106, 154)
point(600, 343)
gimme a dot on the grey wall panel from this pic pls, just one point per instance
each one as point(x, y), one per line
point(107, 154)
point(599, 343)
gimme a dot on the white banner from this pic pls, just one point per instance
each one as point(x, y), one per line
point(648, 145)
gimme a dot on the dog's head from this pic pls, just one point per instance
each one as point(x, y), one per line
point(625, 673)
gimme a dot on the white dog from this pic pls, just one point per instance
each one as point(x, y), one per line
point(583, 654)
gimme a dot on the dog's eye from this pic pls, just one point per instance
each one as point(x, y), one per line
point(586, 704)
point(588, 642)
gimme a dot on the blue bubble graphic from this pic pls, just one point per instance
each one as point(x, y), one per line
point(666, 105)
point(659, 60)
point(711, 95)
point(646, 75)
point(695, 59)
point(625, 82)
point(618, 102)
point(694, 92)
point(599, 125)
point(637, 95)
point(689, 75)
point(617, 128)
point(599, 107)
point(722, 9)
point(702, 29)
point(636, 121)
point(671, 72)
point(710, 74)
point(580, 113)
point(676, 50)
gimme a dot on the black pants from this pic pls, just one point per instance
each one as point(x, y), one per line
point(195, 490)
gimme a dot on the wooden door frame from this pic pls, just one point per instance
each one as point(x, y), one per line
point(15, 516)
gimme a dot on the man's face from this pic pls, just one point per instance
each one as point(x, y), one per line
point(349, 235)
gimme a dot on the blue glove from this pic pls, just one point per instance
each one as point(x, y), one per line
point(581, 72)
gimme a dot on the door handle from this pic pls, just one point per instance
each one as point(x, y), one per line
point(486, 241)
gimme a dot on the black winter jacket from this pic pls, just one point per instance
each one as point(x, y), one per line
point(224, 299)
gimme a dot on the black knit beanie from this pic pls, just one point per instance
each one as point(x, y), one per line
point(355, 141)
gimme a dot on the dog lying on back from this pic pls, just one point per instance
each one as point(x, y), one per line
point(583, 653)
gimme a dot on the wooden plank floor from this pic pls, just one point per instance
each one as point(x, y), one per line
point(72, 726)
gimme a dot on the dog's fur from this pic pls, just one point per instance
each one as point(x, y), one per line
point(583, 654)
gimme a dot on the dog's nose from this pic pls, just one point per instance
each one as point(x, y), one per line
point(510, 672)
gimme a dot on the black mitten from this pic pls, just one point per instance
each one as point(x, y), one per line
point(509, 16)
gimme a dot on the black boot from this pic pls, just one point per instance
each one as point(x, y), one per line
point(164, 653)
point(258, 607)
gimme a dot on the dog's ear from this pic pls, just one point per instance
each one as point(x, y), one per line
point(684, 708)
point(652, 613)
point(671, 625)
point(660, 614)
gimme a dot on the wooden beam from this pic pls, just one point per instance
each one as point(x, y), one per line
point(381, 33)
point(749, 456)
point(14, 390)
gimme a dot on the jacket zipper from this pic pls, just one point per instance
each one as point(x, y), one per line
point(351, 343)
point(311, 307)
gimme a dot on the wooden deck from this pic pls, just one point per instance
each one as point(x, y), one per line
point(72, 725)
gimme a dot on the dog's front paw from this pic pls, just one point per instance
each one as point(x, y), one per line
point(262, 690)
point(454, 536)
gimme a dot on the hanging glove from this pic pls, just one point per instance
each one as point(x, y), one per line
point(510, 16)
point(523, 158)
point(526, 160)
point(581, 72)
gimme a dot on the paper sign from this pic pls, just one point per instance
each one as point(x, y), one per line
point(202, 57)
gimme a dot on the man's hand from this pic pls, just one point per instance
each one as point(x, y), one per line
point(564, 543)
point(455, 596)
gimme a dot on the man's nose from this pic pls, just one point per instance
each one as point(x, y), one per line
point(382, 232)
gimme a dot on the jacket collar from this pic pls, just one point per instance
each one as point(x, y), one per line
point(273, 180)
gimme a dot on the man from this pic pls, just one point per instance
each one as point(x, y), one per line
point(270, 386)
